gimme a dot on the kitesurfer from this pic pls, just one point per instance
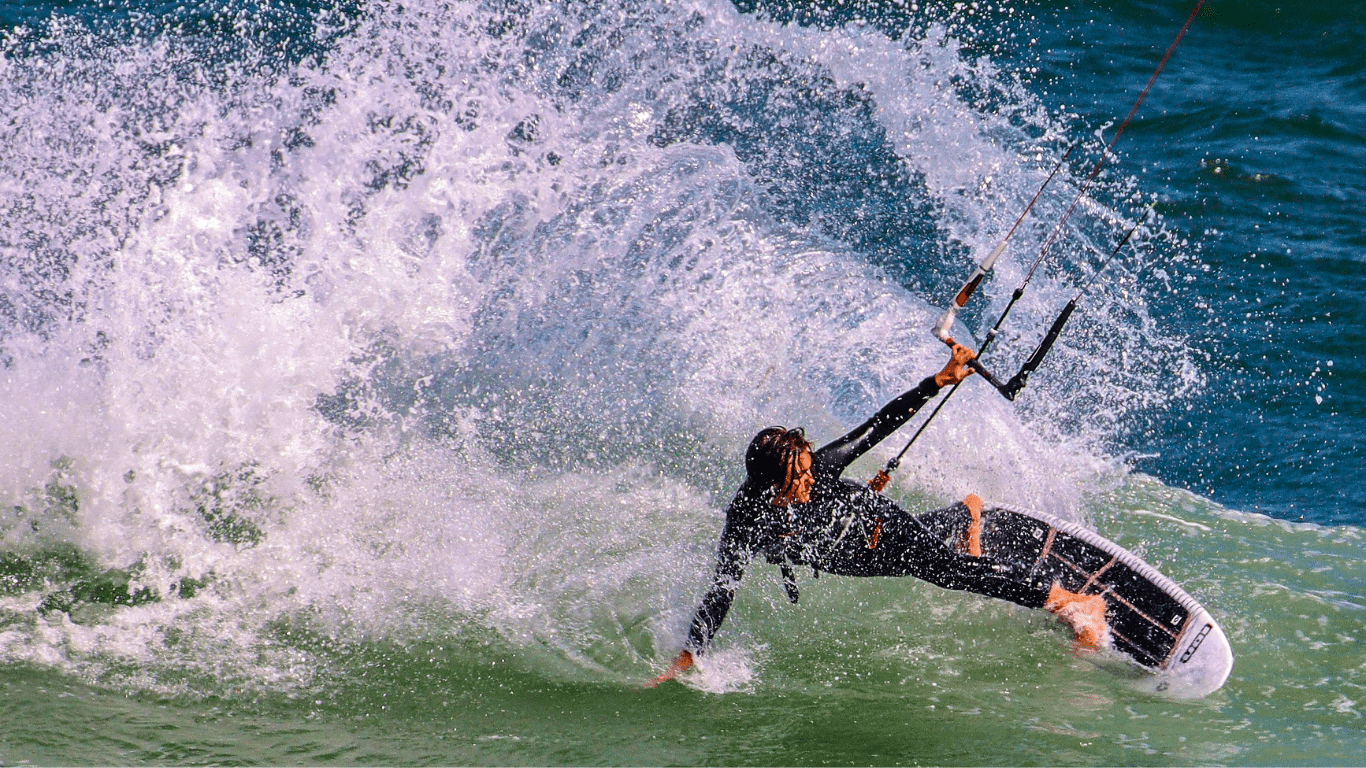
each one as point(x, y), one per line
point(795, 509)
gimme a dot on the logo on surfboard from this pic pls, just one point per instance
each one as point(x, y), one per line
point(1195, 644)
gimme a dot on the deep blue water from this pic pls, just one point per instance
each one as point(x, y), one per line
point(1254, 141)
point(1258, 131)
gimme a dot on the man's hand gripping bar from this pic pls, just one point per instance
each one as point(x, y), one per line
point(976, 365)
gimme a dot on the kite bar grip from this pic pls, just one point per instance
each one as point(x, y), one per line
point(981, 370)
point(1017, 382)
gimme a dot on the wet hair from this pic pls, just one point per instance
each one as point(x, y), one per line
point(771, 460)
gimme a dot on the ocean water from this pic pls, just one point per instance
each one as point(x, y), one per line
point(372, 377)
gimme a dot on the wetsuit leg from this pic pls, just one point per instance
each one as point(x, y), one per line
point(896, 543)
point(946, 524)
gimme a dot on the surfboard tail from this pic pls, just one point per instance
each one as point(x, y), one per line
point(1151, 619)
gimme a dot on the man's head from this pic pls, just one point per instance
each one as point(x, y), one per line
point(781, 458)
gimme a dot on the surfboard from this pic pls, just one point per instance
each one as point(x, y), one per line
point(1152, 621)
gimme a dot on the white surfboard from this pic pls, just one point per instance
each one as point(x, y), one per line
point(1152, 621)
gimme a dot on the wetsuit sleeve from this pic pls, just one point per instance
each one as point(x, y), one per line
point(842, 452)
point(732, 557)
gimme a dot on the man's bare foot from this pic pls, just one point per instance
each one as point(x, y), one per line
point(970, 540)
point(1085, 614)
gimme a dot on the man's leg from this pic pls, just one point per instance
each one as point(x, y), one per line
point(1083, 614)
point(970, 540)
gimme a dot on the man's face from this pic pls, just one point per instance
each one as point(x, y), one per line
point(805, 479)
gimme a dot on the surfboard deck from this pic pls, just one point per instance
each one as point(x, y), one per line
point(1153, 622)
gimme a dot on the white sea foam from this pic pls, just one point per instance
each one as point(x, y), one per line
point(470, 320)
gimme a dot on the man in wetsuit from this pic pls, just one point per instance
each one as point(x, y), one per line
point(795, 509)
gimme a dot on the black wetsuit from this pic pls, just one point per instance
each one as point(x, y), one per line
point(850, 530)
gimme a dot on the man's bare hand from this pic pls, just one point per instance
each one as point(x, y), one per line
point(681, 664)
point(957, 368)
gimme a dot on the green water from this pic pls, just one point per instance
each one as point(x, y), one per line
point(861, 672)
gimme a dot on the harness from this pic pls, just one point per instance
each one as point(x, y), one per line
point(788, 552)
point(791, 550)
point(827, 540)
point(785, 556)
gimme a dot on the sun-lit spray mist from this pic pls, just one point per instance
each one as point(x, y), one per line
point(456, 331)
